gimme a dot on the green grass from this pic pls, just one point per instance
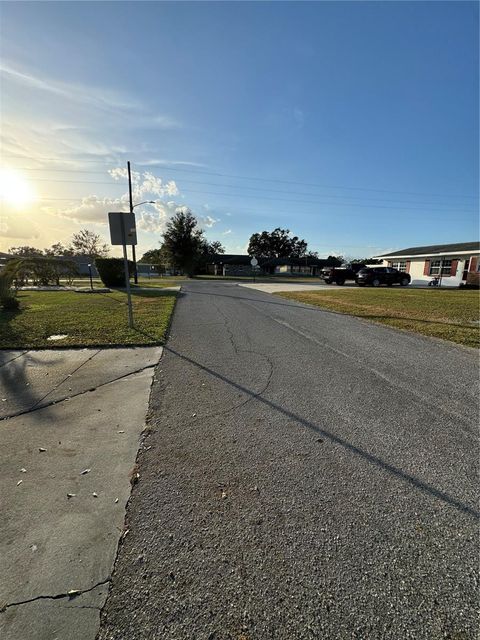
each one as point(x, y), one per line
point(265, 278)
point(451, 315)
point(87, 319)
point(168, 281)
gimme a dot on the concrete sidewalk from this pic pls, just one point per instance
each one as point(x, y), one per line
point(70, 429)
point(274, 287)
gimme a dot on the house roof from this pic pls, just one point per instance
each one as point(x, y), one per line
point(434, 249)
point(230, 258)
point(309, 262)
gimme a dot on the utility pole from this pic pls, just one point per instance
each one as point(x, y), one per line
point(134, 257)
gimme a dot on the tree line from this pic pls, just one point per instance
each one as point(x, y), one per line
point(183, 247)
point(84, 243)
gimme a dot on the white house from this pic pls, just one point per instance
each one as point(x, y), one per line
point(454, 264)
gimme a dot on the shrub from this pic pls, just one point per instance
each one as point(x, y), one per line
point(41, 270)
point(10, 304)
point(8, 300)
point(111, 271)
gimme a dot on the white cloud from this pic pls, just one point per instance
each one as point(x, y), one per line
point(227, 232)
point(100, 98)
point(146, 184)
point(91, 209)
point(206, 221)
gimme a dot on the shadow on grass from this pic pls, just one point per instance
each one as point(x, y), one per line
point(10, 336)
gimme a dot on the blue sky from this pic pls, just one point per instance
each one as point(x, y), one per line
point(355, 125)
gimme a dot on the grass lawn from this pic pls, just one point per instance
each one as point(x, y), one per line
point(168, 281)
point(86, 318)
point(451, 315)
point(265, 278)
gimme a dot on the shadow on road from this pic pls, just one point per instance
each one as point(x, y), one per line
point(378, 462)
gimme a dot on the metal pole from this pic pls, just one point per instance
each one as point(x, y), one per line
point(127, 278)
point(134, 257)
point(90, 273)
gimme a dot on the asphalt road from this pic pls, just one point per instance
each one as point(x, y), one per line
point(310, 475)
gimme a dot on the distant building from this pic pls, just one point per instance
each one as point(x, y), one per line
point(239, 265)
point(4, 258)
point(455, 264)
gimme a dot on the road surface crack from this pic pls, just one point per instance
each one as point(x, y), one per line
point(70, 595)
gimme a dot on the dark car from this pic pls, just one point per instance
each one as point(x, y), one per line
point(376, 276)
point(340, 274)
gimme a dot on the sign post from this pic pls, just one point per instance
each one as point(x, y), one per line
point(254, 263)
point(123, 231)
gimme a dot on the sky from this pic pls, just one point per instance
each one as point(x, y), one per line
point(353, 124)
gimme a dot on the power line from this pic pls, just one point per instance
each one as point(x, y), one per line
point(324, 204)
point(239, 177)
point(231, 186)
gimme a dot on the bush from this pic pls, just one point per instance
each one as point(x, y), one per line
point(10, 304)
point(8, 300)
point(111, 271)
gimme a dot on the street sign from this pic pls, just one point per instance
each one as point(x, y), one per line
point(123, 231)
point(254, 262)
point(122, 228)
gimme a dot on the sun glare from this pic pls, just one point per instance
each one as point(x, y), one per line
point(15, 189)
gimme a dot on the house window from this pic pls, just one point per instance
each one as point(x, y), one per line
point(400, 266)
point(435, 267)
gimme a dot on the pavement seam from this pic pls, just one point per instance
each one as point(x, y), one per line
point(4, 364)
point(70, 595)
point(75, 395)
point(89, 359)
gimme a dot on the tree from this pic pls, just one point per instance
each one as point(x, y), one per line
point(350, 260)
point(58, 249)
point(24, 251)
point(276, 244)
point(88, 243)
point(215, 248)
point(159, 257)
point(183, 241)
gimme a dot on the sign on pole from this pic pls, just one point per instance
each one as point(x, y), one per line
point(254, 263)
point(123, 231)
point(120, 223)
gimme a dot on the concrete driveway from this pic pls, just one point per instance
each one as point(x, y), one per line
point(70, 428)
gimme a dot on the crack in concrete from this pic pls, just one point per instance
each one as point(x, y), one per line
point(252, 395)
point(89, 359)
point(75, 395)
point(4, 364)
point(70, 595)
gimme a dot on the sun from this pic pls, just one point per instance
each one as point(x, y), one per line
point(15, 189)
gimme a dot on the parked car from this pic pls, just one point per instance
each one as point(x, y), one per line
point(340, 274)
point(376, 276)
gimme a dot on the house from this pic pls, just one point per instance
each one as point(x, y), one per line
point(296, 266)
point(226, 264)
point(453, 264)
point(4, 258)
point(239, 265)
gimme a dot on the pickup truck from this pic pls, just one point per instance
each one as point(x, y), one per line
point(339, 275)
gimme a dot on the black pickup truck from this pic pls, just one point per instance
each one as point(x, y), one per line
point(339, 275)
